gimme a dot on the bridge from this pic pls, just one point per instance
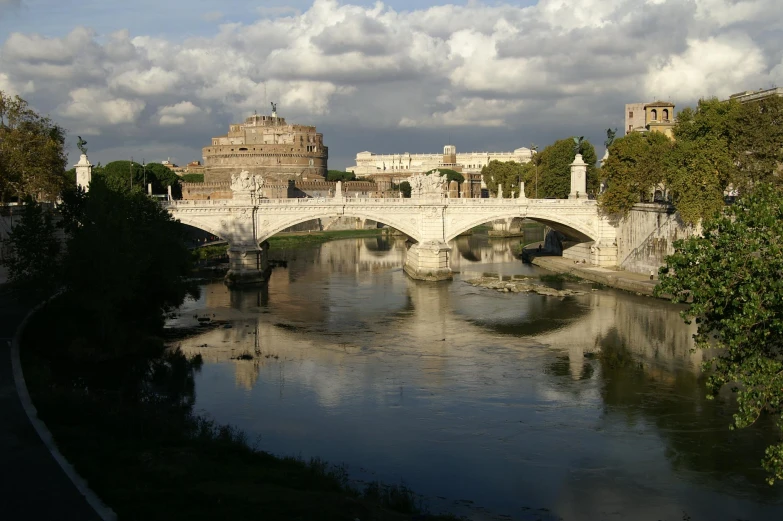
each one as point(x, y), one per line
point(428, 218)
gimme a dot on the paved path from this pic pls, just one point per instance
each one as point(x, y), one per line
point(32, 484)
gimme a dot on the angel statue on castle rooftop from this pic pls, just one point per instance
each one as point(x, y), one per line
point(82, 144)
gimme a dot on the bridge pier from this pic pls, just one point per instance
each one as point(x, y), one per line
point(428, 261)
point(247, 264)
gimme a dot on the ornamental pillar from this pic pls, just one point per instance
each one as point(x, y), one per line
point(83, 173)
point(578, 178)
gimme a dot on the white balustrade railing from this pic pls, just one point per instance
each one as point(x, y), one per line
point(313, 201)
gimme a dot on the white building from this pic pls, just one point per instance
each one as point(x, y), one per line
point(368, 164)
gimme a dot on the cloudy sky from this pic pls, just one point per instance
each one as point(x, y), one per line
point(157, 78)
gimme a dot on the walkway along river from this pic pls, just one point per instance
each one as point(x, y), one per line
point(489, 404)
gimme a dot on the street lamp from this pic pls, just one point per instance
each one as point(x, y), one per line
point(534, 149)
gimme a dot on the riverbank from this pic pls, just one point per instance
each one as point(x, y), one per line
point(625, 280)
point(126, 424)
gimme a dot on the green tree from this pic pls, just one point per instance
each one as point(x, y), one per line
point(404, 187)
point(126, 261)
point(32, 252)
point(635, 166)
point(554, 170)
point(339, 175)
point(32, 158)
point(193, 178)
point(756, 131)
point(161, 178)
point(701, 166)
point(121, 175)
point(506, 174)
point(730, 278)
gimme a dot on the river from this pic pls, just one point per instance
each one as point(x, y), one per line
point(490, 405)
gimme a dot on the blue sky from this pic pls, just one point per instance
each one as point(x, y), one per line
point(158, 79)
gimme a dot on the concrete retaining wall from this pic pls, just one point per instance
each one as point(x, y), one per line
point(647, 236)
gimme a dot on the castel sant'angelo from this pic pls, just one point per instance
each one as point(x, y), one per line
point(269, 146)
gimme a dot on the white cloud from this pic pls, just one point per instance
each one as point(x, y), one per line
point(715, 66)
point(175, 114)
point(171, 120)
point(98, 107)
point(183, 108)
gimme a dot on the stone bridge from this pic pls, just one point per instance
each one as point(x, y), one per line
point(428, 218)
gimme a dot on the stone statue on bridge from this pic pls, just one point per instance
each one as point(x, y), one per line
point(423, 185)
point(241, 181)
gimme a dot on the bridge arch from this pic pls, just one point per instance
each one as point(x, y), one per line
point(573, 228)
point(207, 225)
point(395, 221)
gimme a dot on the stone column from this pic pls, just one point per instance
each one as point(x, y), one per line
point(428, 261)
point(578, 178)
point(522, 190)
point(83, 173)
point(247, 264)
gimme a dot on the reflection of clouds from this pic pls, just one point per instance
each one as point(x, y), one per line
point(390, 321)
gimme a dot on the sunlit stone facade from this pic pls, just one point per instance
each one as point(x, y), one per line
point(369, 164)
point(269, 146)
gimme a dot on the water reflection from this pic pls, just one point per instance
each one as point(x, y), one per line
point(590, 407)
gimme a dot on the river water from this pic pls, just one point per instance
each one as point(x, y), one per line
point(490, 405)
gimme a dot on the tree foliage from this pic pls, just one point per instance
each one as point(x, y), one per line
point(32, 158)
point(554, 168)
point(32, 252)
point(339, 175)
point(193, 178)
point(635, 166)
point(719, 145)
point(507, 174)
point(122, 175)
point(731, 278)
point(756, 131)
point(126, 259)
point(404, 187)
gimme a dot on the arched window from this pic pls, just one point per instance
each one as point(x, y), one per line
point(654, 114)
point(666, 114)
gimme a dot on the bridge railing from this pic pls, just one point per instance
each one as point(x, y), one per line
point(313, 201)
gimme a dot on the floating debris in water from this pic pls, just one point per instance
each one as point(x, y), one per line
point(516, 286)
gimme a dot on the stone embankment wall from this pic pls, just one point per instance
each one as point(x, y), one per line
point(647, 236)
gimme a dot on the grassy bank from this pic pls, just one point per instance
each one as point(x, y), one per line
point(126, 423)
point(297, 239)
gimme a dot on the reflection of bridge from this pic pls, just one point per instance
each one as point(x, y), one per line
point(246, 221)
